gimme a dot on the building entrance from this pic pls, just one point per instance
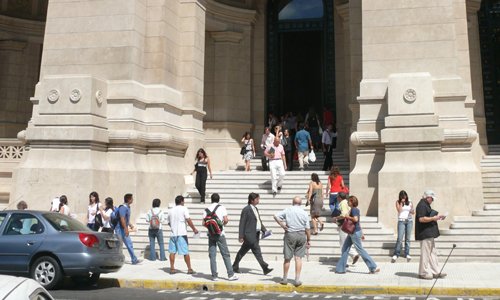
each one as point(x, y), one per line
point(300, 56)
point(489, 30)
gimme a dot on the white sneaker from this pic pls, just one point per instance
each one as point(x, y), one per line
point(233, 278)
point(394, 257)
point(215, 279)
point(408, 258)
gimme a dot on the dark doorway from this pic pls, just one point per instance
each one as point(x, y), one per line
point(489, 33)
point(301, 78)
point(300, 56)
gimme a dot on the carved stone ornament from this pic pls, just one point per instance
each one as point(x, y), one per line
point(53, 96)
point(99, 97)
point(410, 95)
point(75, 95)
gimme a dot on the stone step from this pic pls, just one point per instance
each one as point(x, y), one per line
point(492, 206)
point(486, 219)
point(490, 232)
point(475, 225)
point(486, 213)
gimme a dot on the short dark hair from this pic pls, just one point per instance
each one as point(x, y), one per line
point(127, 197)
point(252, 197)
point(215, 198)
point(342, 195)
point(22, 205)
point(301, 126)
point(179, 199)
point(156, 202)
point(63, 200)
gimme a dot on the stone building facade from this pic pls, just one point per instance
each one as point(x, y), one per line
point(117, 95)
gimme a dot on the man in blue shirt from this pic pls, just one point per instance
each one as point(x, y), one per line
point(122, 228)
point(303, 143)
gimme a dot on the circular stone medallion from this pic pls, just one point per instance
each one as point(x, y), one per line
point(75, 95)
point(410, 95)
point(53, 96)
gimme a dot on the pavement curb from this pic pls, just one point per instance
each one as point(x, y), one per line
point(277, 288)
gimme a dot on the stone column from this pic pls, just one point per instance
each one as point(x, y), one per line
point(416, 118)
point(473, 7)
point(118, 103)
point(229, 83)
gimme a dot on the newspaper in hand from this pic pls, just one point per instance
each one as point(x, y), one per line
point(266, 234)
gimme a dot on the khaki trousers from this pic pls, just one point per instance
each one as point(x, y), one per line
point(428, 258)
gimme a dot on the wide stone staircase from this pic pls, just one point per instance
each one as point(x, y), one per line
point(234, 187)
point(477, 237)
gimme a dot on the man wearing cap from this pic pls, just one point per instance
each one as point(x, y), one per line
point(426, 230)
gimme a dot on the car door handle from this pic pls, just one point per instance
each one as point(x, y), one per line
point(30, 243)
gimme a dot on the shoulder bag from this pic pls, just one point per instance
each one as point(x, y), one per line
point(348, 226)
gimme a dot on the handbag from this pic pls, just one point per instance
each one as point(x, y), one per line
point(243, 150)
point(348, 226)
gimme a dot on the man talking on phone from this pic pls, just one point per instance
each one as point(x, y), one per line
point(426, 230)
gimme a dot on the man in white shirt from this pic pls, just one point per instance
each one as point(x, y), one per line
point(277, 164)
point(267, 140)
point(178, 217)
point(215, 241)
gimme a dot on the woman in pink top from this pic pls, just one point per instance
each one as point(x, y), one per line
point(334, 186)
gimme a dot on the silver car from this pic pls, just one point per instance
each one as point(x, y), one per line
point(48, 246)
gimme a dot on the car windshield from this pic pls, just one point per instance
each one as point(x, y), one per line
point(62, 222)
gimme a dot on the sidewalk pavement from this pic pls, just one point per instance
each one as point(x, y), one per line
point(401, 278)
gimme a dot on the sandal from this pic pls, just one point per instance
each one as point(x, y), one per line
point(191, 272)
point(321, 226)
point(172, 271)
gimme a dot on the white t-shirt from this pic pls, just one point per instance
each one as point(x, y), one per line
point(65, 210)
point(107, 213)
point(221, 212)
point(55, 204)
point(177, 219)
point(92, 210)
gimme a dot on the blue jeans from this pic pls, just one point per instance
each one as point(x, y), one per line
point(213, 243)
point(127, 241)
point(354, 239)
point(333, 202)
point(404, 229)
point(158, 234)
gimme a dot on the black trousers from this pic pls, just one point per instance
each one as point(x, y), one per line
point(255, 247)
point(289, 159)
point(327, 165)
point(264, 162)
point(201, 182)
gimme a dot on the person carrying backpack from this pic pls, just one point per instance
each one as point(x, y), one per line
point(155, 217)
point(216, 216)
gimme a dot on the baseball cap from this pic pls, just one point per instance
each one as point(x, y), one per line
point(430, 193)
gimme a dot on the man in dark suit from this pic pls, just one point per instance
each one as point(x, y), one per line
point(249, 234)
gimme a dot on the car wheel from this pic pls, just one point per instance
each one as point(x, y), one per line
point(89, 279)
point(46, 271)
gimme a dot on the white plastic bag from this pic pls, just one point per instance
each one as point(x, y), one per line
point(312, 156)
